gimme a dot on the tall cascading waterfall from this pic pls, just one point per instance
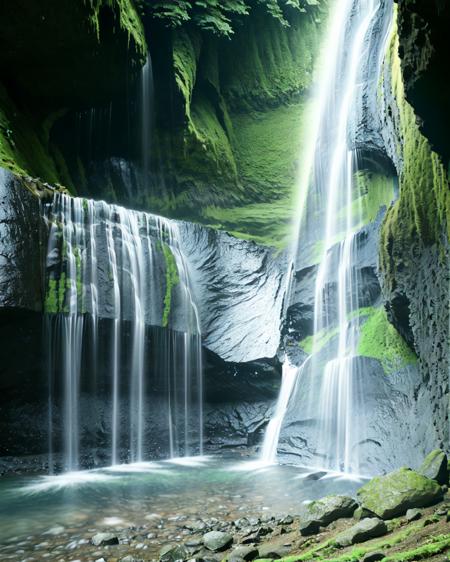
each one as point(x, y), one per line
point(331, 196)
point(113, 274)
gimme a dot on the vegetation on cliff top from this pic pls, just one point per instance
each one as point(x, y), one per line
point(221, 17)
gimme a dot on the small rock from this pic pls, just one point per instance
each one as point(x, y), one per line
point(435, 467)
point(245, 553)
point(363, 513)
point(287, 520)
point(171, 553)
point(308, 528)
point(217, 541)
point(363, 531)
point(329, 509)
point(241, 523)
point(130, 558)
point(413, 515)
point(441, 511)
point(104, 539)
point(374, 556)
point(272, 551)
point(103, 560)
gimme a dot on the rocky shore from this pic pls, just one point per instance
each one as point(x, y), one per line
point(401, 516)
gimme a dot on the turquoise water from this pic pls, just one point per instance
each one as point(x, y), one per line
point(55, 510)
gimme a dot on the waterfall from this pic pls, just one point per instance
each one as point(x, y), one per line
point(331, 195)
point(147, 99)
point(114, 276)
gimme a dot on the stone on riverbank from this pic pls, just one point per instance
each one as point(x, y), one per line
point(171, 552)
point(104, 539)
point(328, 509)
point(217, 541)
point(363, 531)
point(435, 467)
point(392, 495)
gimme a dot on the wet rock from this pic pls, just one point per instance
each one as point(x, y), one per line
point(413, 515)
point(435, 467)
point(217, 541)
point(264, 531)
point(392, 495)
point(130, 558)
point(329, 509)
point(245, 553)
point(363, 531)
point(104, 539)
point(374, 556)
point(308, 528)
point(170, 553)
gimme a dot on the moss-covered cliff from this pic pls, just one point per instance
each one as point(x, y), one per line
point(415, 248)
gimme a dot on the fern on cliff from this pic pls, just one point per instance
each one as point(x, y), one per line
point(220, 16)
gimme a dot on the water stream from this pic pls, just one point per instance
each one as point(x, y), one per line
point(334, 215)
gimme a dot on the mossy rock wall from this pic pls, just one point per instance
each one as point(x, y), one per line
point(414, 253)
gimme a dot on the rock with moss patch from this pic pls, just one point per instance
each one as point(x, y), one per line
point(392, 495)
point(435, 466)
point(363, 531)
point(328, 509)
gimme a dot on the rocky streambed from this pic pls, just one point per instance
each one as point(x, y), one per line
point(404, 515)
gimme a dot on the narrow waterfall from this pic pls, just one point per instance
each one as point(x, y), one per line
point(331, 195)
point(146, 113)
point(114, 277)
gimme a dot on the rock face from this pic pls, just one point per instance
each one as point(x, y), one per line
point(392, 495)
point(329, 509)
point(240, 288)
point(435, 467)
point(363, 531)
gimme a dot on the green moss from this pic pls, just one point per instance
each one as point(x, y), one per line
point(376, 191)
point(172, 279)
point(24, 145)
point(318, 342)
point(128, 18)
point(380, 340)
point(434, 546)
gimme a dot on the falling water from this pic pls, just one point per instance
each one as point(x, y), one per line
point(109, 266)
point(147, 96)
point(331, 196)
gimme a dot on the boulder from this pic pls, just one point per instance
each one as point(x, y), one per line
point(104, 539)
point(392, 495)
point(328, 509)
point(435, 467)
point(217, 541)
point(172, 552)
point(363, 531)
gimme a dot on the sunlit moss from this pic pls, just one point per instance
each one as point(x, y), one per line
point(379, 339)
point(172, 279)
